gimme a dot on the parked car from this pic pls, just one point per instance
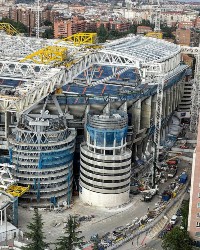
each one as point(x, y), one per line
point(169, 227)
point(178, 213)
point(173, 219)
point(162, 233)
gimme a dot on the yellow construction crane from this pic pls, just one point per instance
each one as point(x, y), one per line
point(158, 35)
point(9, 29)
point(58, 54)
point(17, 191)
point(47, 55)
point(81, 39)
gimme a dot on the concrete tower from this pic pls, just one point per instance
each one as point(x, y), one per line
point(105, 161)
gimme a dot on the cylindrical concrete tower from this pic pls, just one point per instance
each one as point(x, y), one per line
point(105, 161)
point(42, 149)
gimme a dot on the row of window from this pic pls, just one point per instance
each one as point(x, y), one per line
point(103, 167)
point(101, 181)
point(105, 173)
point(105, 161)
point(102, 187)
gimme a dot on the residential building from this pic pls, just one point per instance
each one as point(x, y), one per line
point(143, 29)
point(186, 25)
point(194, 207)
point(197, 23)
point(64, 27)
point(119, 26)
point(183, 36)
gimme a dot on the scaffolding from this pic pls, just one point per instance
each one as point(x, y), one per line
point(47, 158)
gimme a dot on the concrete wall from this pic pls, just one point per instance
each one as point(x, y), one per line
point(103, 200)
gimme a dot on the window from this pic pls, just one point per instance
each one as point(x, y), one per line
point(198, 215)
point(198, 224)
point(197, 234)
point(198, 195)
point(198, 205)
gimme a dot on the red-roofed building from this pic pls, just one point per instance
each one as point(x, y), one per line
point(143, 29)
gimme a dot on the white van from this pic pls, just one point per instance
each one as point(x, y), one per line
point(173, 219)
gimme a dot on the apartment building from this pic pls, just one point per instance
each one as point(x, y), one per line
point(171, 18)
point(194, 207)
point(183, 36)
point(27, 15)
point(197, 23)
point(186, 25)
point(119, 26)
point(143, 29)
point(64, 27)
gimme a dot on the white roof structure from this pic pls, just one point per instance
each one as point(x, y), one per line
point(152, 57)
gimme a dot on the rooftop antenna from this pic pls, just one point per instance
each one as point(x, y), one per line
point(37, 20)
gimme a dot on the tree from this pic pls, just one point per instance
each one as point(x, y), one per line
point(177, 239)
point(185, 212)
point(47, 23)
point(102, 34)
point(95, 246)
point(49, 34)
point(35, 233)
point(133, 29)
point(20, 27)
point(71, 240)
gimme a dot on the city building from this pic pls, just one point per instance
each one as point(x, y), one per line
point(183, 36)
point(64, 27)
point(7, 230)
point(143, 29)
point(194, 207)
point(186, 25)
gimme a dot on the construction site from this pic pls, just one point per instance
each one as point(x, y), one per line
point(87, 120)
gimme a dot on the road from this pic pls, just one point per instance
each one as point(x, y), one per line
point(154, 244)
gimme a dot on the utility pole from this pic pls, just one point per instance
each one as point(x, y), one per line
point(37, 20)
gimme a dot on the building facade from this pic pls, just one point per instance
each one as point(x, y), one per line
point(194, 207)
point(105, 161)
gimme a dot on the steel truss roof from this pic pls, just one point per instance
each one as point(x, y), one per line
point(150, 56)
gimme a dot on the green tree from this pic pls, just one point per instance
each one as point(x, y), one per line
point(47, 23)
point(35, 233)
point(133, 29)
point(167, 31)
point(177, 239)
point(95, 246)
point(49, 34)
point(185, 212)
point(20, 27)
point(71, 240)
point(102, 34)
